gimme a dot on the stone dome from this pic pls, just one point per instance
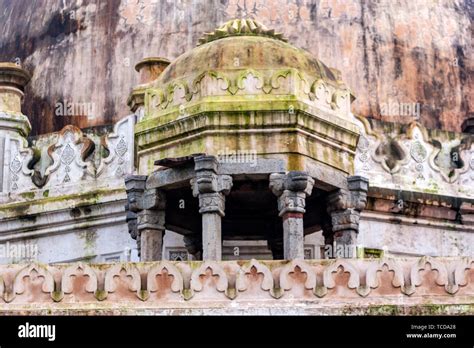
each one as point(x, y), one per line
point(245, 87)
point(245, 44)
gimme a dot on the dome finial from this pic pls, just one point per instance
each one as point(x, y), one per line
point(240, 27)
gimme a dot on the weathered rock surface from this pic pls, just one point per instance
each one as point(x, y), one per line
point(389, 52)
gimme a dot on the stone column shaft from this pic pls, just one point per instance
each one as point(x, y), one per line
point(293, 236)
point(151, 245)
point(211, 237)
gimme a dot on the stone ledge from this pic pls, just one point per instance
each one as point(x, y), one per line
point(342, 286)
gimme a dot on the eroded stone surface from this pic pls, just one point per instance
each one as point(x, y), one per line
point(388, 51)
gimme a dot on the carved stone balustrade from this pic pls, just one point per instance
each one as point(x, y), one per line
point(386, 286)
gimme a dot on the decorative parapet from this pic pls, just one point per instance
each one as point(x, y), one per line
point(68, 162)
point(412, 158)
point(341, 286)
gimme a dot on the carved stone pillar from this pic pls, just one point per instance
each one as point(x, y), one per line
point(344, 207)
point(292, 190)
point(149, 207)
point(211, 189)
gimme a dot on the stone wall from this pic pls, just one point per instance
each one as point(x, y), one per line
point(391, 53)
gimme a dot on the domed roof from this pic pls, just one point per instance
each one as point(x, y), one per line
point(245, 44)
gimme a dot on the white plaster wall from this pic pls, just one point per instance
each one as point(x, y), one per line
point(103, 244)
point(422, 238)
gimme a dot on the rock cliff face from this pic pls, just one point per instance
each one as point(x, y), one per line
point(402, 58)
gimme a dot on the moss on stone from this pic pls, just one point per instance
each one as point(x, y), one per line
point(28, 195)
point(77, 200)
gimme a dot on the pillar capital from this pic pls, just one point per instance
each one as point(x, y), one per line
point(354, 197)
point(344, 206)
point(295, 181)
point(135, 188)
point(291, 190)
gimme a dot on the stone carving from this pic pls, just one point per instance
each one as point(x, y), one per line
point(20, 174)
point(132, 274)
point(15, 166)
point(276, 279)
point(176, 286)
point(119, 162)
point(285, 282)
point(92, 284)
point(70, 157)
point(245, 81)
point(242, 281)
point(344, 206)
point(414, 275)
point(459, 274)
point(438, 163)
point(371, 276)
point(291, 190)
point(418, 152)
point(237, 27)
point(145, 216)
point(451, 275)
point(354, 278)
point(222, 284)
point(33, 271)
